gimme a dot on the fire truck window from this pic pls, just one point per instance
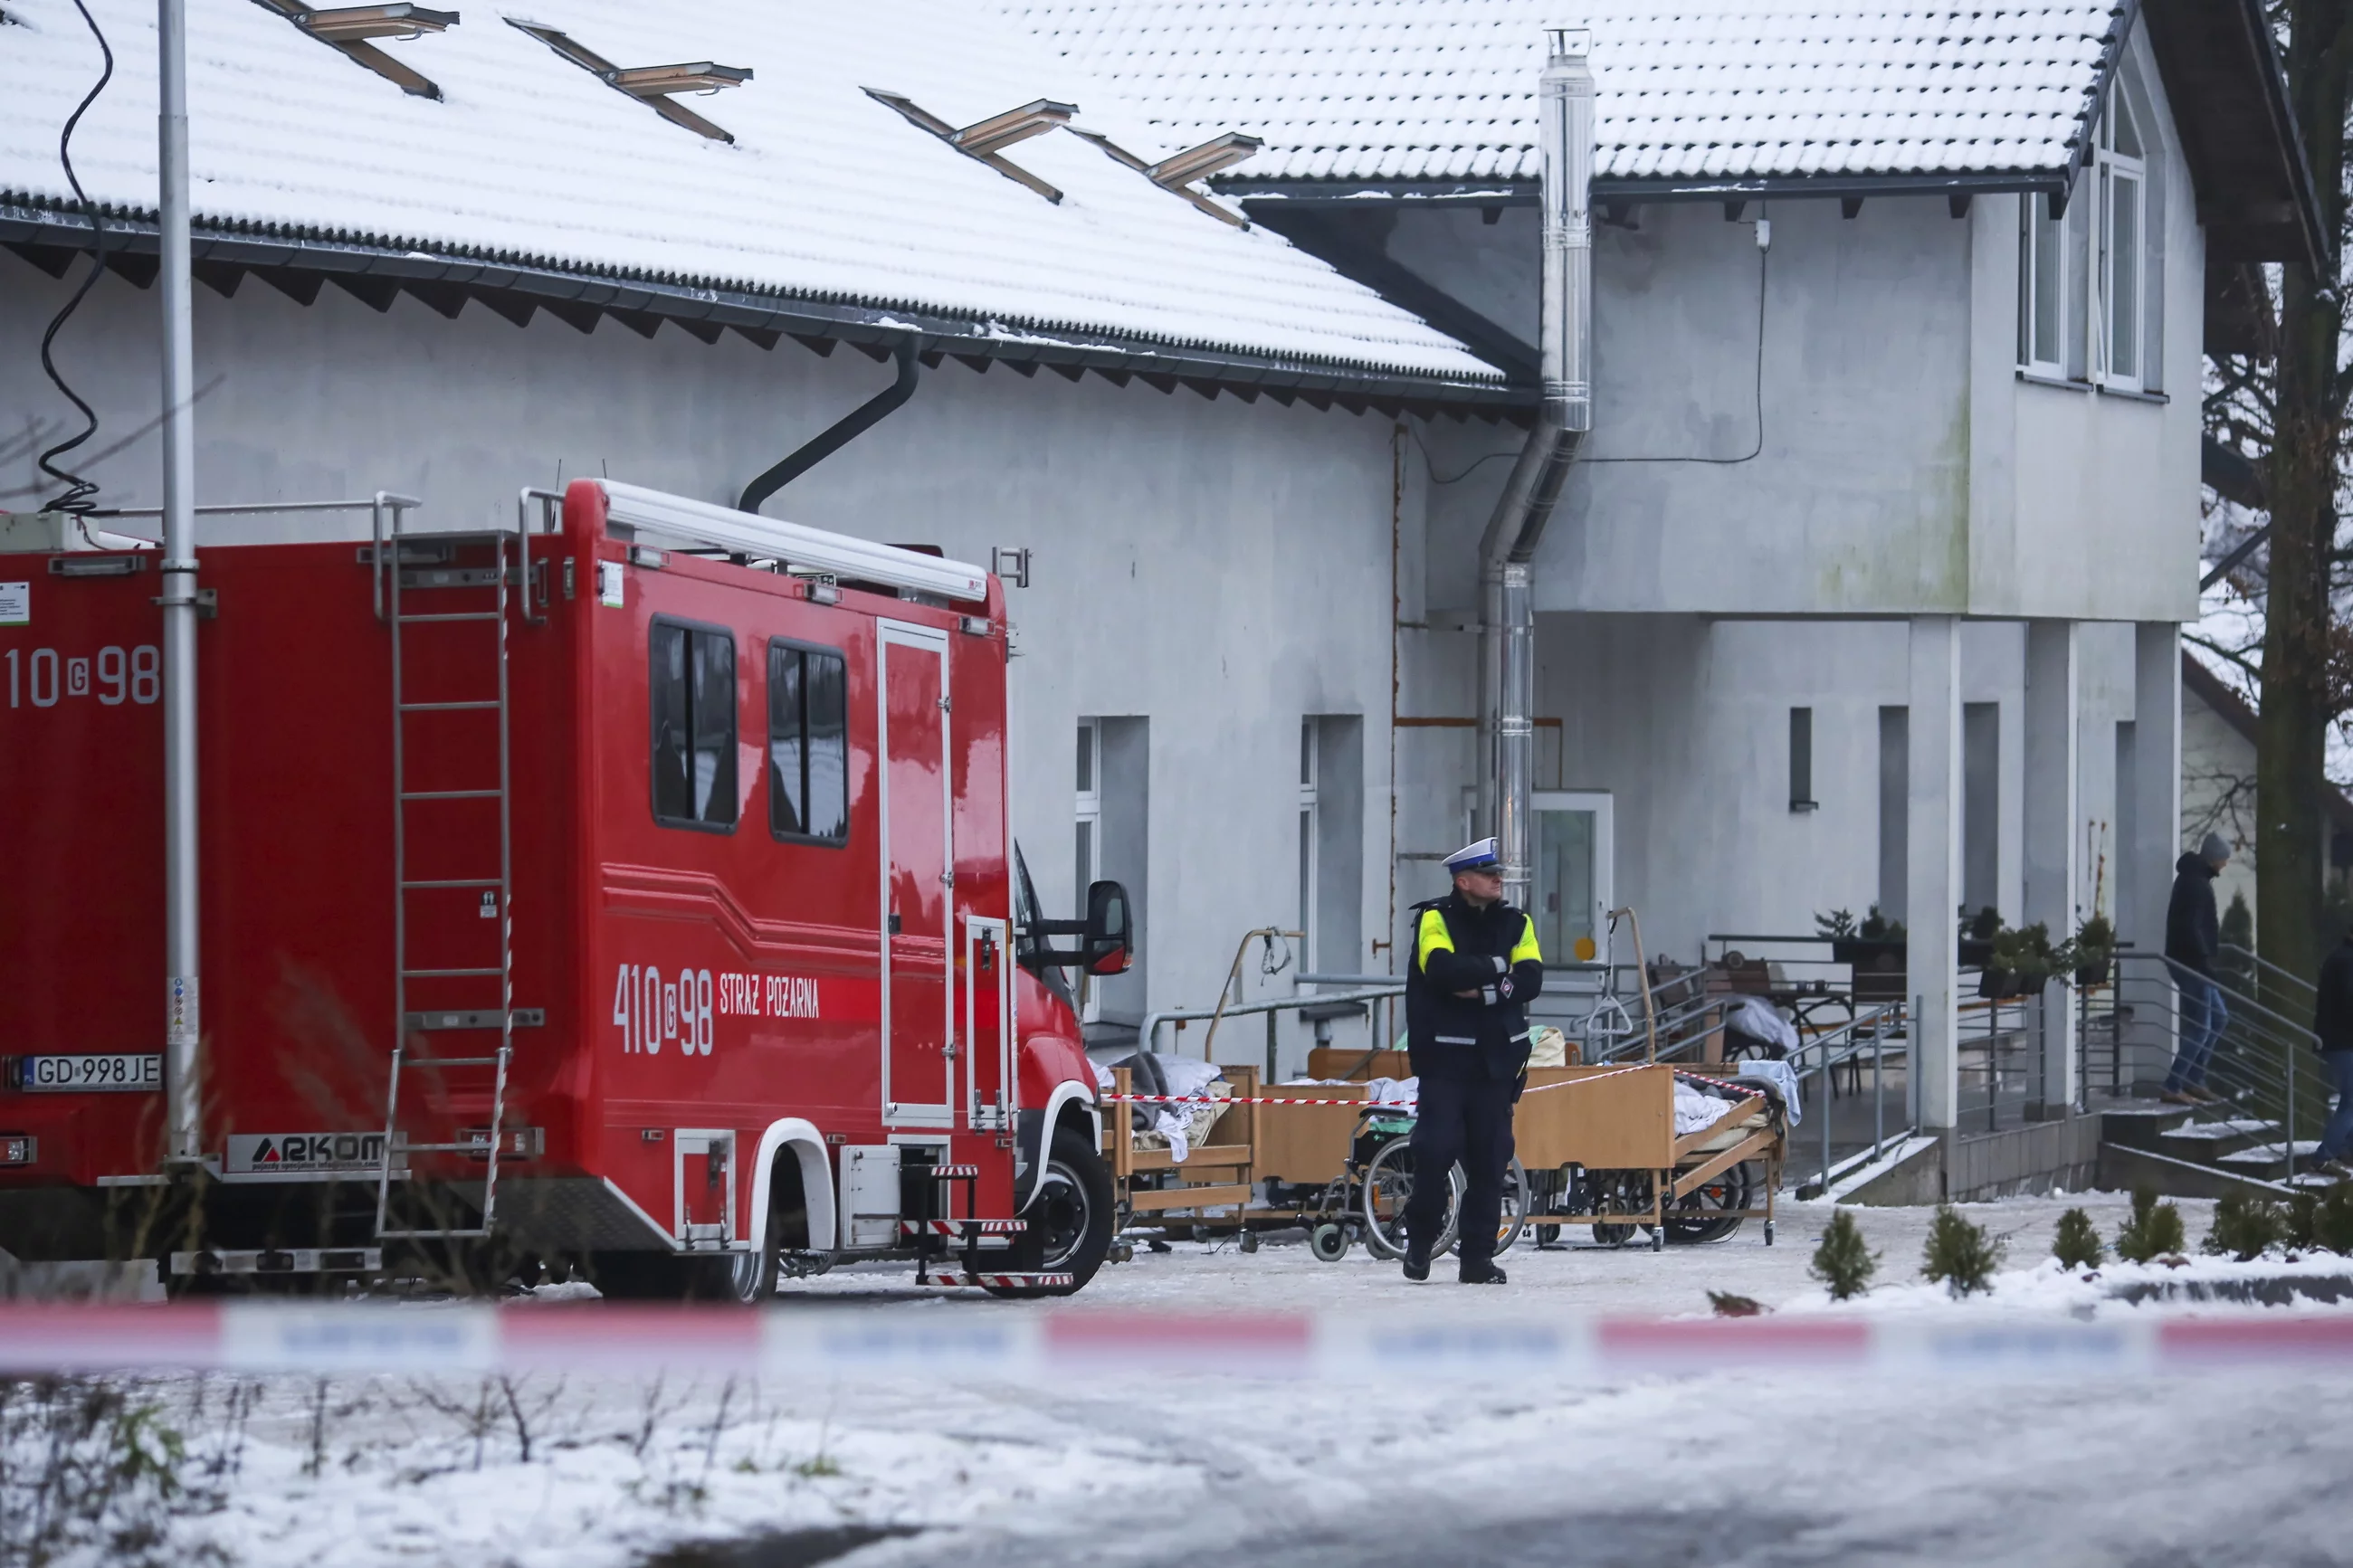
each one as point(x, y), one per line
point(693, 701)
point(809, 743)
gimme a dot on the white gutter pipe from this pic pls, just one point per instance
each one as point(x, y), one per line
point(183, 1027)
point(1564, 104)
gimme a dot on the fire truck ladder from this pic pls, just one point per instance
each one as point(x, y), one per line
point(394, 573)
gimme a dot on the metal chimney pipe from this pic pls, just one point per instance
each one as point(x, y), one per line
point(182, 1024)
point(1565, 107)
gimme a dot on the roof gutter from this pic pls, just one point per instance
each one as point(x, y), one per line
point(1565, 332)
point(837, 435)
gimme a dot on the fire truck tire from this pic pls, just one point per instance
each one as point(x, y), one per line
point(1070, 1219)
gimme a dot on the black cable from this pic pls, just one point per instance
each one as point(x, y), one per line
point(75, 497)
point(1764, 260)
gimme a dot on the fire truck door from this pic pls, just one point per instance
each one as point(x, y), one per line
point(918, 1020)
point(987, 1024)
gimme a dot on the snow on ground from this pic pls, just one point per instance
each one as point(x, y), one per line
point(1743, 1468)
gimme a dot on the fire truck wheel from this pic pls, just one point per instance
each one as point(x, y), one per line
point(1070, 1219)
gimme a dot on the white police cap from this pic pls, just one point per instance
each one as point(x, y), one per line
point(1473, 857)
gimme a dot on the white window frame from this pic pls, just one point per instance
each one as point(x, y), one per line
point(2034, 219)
point(2119, 172)
point(1087, 852)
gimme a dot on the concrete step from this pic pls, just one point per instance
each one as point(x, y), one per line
point(2268, 1161)
point(2139, 1125)
point(2123, 1168)
point(2207, 1141)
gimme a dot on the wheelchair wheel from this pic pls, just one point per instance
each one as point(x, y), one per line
point(1515, 1207)
point(1697, 1215)
point(1388, 1187)
point(1329, 1243)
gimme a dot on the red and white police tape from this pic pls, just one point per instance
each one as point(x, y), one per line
point(1378, 1104)
point(848, 1344)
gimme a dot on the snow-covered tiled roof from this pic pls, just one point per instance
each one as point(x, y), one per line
point(826, 193)
point(1690, 90)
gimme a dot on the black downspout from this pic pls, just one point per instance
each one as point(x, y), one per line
point(840, 434)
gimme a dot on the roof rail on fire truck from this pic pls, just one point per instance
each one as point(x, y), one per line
point(809, 548)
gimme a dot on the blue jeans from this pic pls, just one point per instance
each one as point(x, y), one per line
point(2202, 1018)
point(2336, 1138)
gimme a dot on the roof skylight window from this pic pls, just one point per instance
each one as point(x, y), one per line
point(1178, 171)
point(649, 85)
point(986, 140)
point(352, 29)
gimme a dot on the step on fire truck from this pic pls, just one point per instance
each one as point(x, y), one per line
point(629, 892)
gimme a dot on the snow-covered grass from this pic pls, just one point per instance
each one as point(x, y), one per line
point(1779, 1467)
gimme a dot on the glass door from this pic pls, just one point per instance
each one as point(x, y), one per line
point(1572, 893)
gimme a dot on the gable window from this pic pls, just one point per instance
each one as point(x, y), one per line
point(809, 743)
point(2128, 340)
point(693, 703)
point(2091, 281)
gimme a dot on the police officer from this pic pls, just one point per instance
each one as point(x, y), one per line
point(1475, 967)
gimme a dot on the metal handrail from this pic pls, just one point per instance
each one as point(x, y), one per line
point(1147, 1033)
point(2258, 1077)
point(2291, 976)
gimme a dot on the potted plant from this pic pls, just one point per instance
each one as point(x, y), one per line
point(2021, 962)
point(2095, 946)
point(1876, 942)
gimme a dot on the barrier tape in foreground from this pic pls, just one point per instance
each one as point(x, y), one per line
point(851, 1343)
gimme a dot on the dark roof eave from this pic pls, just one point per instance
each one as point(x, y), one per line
point(776, 312)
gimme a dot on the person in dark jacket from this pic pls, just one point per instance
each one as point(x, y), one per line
point(2193, 935)
point(2332, 1021)
point(1475, 967)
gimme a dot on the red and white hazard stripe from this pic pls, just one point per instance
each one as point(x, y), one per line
point(354, 1338)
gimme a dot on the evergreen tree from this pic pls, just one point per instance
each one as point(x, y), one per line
point(2244, 1227)
point(1959, 1255)
point(2154, 1230)
point(2077, 1244)
point(2332, 1219)
point(1841, 1263)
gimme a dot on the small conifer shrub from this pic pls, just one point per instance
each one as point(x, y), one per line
point(1841, 1263)
point(2154, 1230)
point(2077, 1244)
point(2244, 1227)
point(1959, 1255)
point(2332, 1219)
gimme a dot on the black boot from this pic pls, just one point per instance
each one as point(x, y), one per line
point(1417, 1260)
point(1482, 1272)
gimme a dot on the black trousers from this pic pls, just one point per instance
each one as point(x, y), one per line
point(1469, 1121)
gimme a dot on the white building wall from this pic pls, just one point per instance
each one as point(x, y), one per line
point(1219, 568)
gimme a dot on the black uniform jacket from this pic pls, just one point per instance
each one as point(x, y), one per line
point(1491, 952)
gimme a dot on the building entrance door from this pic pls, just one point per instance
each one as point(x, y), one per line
point(1571, 893)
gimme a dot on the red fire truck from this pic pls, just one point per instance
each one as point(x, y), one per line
point(631, 890)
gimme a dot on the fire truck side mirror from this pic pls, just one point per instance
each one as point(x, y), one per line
point(1110, 940)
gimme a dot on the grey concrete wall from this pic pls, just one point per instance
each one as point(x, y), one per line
point(1221, 569)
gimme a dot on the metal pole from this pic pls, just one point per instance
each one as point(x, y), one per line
point(1878, 1084)
point(183, 1027)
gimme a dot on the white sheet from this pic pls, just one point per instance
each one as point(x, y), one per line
point(1696, 1109)
point(1781, 1079)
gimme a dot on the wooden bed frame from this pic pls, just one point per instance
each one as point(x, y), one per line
point(1624, 1122)
point(1221, 1174)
